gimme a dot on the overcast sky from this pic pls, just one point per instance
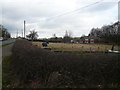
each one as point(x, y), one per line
point(50, 17)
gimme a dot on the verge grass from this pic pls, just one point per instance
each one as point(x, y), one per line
point(5, 71)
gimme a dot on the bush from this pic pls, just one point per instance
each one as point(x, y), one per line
point(64, 70)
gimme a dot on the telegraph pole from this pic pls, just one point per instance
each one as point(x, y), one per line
point(24, 28)
point(17, 34)
point(22, 33)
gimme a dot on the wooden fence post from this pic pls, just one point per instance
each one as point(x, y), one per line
point(98, 49)
point(90, 49)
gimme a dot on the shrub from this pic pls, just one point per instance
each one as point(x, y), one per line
point(62, 69)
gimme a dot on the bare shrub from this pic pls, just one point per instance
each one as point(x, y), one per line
point(54, 70)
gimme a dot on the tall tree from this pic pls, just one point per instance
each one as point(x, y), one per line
point(33, 35)
point(4, 32)
point(110, 33)
point(67, 37)
point(54, 36)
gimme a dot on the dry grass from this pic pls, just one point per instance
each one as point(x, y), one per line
point(78, 47)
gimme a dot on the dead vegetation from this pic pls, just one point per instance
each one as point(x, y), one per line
point(38, 68)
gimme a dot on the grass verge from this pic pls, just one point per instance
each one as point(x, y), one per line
point(5, 72)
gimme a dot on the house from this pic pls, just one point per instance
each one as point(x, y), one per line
point(74, 41)
point(87, 39)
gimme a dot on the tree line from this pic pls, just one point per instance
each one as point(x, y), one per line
point(33, 35)
point(108, 33)
point(4, 32)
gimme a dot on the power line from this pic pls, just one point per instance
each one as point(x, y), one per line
point(76, 10)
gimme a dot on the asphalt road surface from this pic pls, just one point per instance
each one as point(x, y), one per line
point(5, 50)
point(7, 41)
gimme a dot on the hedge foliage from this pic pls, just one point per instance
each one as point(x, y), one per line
point(62, 69)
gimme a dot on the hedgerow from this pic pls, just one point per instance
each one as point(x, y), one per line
point(63, 70)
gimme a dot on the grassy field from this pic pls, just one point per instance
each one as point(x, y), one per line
point(77, 47)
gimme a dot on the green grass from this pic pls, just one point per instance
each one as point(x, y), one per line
point(5, 71)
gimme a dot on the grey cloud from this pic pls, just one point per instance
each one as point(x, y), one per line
point(28, 10)
point(104, 6)
point(100, 7)
point(37, 16)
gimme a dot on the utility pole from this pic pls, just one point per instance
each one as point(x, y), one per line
point(24, 28)
point(22, 33)
point(17, 33)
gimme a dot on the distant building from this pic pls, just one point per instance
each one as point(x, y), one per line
point(74, 41)
point(88, 39)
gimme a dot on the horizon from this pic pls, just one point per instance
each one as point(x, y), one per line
point(55, 17)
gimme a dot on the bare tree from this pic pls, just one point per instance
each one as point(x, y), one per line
point(54, 36)
point(4, 32)
point(110, 33)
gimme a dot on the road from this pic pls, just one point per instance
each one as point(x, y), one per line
point(7, 41)
point(6, 50)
